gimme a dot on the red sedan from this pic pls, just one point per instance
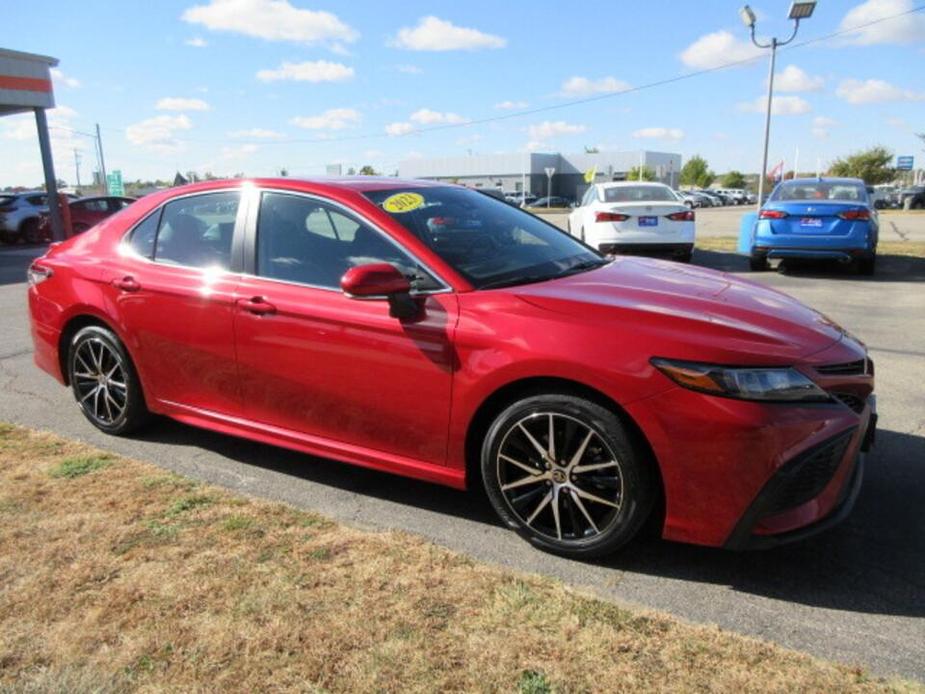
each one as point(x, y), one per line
point(85, 212)
point(434, 332)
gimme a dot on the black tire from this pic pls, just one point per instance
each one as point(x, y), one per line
point(93, 353)
point(29, 231)
point(685, 257)
point(868, 264)
point(586, 515)
point(758, 263)
point(9, 237)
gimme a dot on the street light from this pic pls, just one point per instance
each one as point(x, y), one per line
point(799, 9)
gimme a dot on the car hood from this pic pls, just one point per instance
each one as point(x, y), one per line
point(689, 312)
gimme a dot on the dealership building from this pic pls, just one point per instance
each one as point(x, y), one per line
point(513, 172)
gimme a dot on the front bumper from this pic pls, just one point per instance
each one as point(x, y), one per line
point(722, 462)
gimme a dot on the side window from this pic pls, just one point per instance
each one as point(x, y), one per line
point(95, 205)
point(196, 231)
point(142, 239)
point(300, 239)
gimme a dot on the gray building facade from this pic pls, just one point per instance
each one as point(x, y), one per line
point(512, 172)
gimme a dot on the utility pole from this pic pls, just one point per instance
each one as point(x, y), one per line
point(99, 149)
point(77, 167)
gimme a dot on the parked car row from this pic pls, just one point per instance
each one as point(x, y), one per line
point(24, 217)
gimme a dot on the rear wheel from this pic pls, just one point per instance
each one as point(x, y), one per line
point(9, 237)
point(564, 474)
point(685, 257)
point(104, 381)
point(868, 264)
point(758, 263)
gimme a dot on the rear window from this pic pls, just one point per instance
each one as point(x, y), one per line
point(820, 191)
point(639, 194)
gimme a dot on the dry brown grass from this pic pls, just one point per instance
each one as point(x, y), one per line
point(117, 576)
point(915, 249)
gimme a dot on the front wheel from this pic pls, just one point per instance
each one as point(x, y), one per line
point(104, 382)
point(564, 473)
point(757, 263)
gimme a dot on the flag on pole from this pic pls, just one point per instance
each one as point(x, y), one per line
point(777, 173)
point(591, 174)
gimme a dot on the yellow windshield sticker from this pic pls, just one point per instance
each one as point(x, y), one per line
point(402, 202)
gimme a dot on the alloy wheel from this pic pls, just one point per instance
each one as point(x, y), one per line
point(559, 477)
point(100, 381)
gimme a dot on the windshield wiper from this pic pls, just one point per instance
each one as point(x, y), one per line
point(582, 266)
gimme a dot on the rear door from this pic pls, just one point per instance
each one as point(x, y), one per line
point(328, 367)
point(173, 290)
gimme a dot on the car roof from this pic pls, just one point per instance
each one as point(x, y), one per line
point(361, 184)
point(623, 184)
point(825, 179)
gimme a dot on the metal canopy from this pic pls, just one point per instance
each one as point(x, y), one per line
point(25, 85)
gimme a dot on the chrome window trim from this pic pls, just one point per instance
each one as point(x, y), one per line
point(350, 212)
point(159, 209)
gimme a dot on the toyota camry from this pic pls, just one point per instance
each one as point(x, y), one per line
point(427, 330)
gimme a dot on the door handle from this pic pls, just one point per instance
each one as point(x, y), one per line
point(127, 284)
point(257, 305)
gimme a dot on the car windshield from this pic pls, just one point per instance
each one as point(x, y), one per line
point(489, 242)
point(820, 191)
point(639, 194)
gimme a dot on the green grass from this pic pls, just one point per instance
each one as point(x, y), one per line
point(69, 468)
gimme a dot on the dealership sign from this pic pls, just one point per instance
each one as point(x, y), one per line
point(904, 163)
point(114, 183)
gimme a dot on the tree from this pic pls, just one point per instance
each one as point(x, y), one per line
point(734, 179)
point(696, 172)
point(367, 170)
point(647, 174)
point(870, 165)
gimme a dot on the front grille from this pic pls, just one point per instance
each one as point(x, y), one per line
point(804, 477)
point(854, 402)
point(850, 368)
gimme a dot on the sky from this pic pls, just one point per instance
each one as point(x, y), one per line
point(256, 86)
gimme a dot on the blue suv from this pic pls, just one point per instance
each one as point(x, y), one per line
point(813, 218)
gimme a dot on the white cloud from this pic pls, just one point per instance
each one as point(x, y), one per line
point(582, 86)
point(435, 34)
point(256, 134)
point(671, 134)
point(401, 128)
point(196, 42)
point(821, 125)
point(272, 20)
point(238, 152)
point(425, 116)
point(793, 79)
point(780, 106)
point(68, 81)
point(158, 133)
point(178, 103)
point(511, 105)
point(874, 91)
point(718, 48)
point(332, 119)
point(311, 71)
point(906, 29)
point(548, 129)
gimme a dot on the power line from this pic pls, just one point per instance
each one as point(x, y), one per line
point(541, 109)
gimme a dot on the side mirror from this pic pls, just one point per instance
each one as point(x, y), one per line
point(381, 281)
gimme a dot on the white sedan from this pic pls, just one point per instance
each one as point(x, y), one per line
point(634, 217)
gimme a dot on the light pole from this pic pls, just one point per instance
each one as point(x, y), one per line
point(799, 9)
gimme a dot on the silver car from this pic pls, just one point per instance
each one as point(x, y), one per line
point(20, 214)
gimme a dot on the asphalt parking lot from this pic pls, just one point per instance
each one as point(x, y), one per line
point(855, 594)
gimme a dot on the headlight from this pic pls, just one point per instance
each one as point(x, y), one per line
point(746, 383)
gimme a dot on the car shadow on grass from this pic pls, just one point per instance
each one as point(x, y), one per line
point(874, 562)
point(890, 268)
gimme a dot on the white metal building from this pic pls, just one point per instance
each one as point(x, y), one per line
point(511, 171)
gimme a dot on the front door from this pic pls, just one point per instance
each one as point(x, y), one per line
point(316, 362)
